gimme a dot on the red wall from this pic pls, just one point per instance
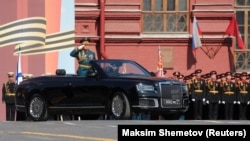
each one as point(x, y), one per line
point(124, 37)
point(7, 61)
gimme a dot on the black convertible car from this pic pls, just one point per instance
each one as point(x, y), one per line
point(112, 87)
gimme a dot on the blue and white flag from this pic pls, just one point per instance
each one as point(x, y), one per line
point(19, 76)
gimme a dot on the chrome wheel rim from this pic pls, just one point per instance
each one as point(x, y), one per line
point(117, 106)
point(36, 107)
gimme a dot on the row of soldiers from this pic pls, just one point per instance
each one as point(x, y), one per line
point(214, 90)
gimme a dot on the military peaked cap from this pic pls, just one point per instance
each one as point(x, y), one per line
point(218, 76)
point(84, 39)
point(198, 71)
point(222, 75)
point(208, 75)
point(237, 75)
point(10, 74)
point(244, 74)
point(213, 72)
point(176, 73)
point(228, 73)
point(181, 76)
point(193, 74)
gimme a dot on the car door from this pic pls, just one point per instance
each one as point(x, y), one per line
point(88, 93)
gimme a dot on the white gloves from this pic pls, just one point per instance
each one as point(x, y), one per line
point(248, 102)
point(193, 99)
point(238, 102)
point(207, 102)
point(80, 47)
point(223, 102)
point(219, 102)
point(204, 101)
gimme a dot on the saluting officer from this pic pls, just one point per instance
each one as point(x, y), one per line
point(83, 55)
point(213, 96)
point(8, 95)
point(243, 95)
point(228, 96)
point(198, 94)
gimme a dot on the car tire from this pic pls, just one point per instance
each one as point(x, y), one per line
point(120, 107)
point(37, 108)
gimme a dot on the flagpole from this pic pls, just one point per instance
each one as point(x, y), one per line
point(19, 76)
point(159, 64)
point(195, 60)
point(196, 40)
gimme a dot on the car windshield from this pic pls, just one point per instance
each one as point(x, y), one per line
point(122, 68)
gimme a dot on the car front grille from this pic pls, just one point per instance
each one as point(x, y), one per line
point(171, 95)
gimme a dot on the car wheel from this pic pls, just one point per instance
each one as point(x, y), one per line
point(37, 108)
point(120, 106)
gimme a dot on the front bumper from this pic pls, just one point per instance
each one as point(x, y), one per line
point(161, 106)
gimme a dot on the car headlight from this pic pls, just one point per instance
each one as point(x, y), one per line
point(143, 87)
point(185, 88)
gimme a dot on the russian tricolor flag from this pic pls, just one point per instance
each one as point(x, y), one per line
point(196, 41)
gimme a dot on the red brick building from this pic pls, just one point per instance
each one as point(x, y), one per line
point(134, 29)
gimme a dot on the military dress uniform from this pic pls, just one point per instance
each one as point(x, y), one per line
point(8, 96)
point(221, 79)
point(213, 96)
point(189, 112)
point(243, 96)
point(228, 97)
point(198, 91)
point(83, 56)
